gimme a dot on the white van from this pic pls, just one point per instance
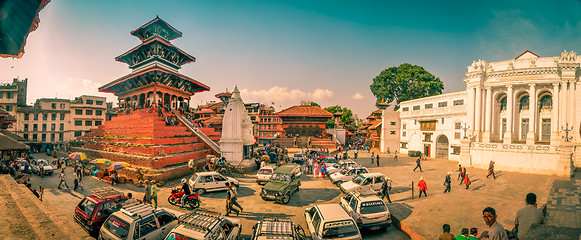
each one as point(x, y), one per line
point(330, 221)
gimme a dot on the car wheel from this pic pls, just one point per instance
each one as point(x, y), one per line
point(201, 191)
point(263, 198)
point(285, 199)
point(338, 183)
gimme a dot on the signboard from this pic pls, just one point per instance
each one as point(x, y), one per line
point(369, 204)
point(428, 125)
point(338, 224)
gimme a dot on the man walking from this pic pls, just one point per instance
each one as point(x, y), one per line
point(372, 158)
point(62, 177)
point(377, 159)
point(234, 199)
point(527, 216)
point(418, 165)
point(491, 170)
point(395, 157)
point(147, 196)
point(447, 182)
point(229, 207)
point(153, 193)
point(385, 188)
point(495, 230)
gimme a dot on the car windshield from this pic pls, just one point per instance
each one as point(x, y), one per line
point(117, 227)
point(265, 171)
point(280, 177)
point(344, 171)
point(340, 229)
point(194, 177)
point(358, 180)
point(87, 206)
point(176, 236)
point(336, 165)
point(373, 207)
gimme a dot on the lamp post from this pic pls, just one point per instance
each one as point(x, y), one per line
point(465, 128)
point(566, 129)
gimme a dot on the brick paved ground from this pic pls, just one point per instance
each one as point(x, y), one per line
point(564, 205)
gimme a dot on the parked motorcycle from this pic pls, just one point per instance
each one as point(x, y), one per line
point(176, 196)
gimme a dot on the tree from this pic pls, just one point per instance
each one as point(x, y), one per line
point(346, 118)
point(405, 82)
point(314, 104)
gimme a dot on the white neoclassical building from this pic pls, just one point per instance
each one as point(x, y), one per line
point(518, 113)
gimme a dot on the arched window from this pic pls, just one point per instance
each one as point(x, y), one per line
point(524, 103)
point(503, 104)
point(546, 102)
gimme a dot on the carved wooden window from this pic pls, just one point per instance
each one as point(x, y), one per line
point(428, 125)
point(546, 102)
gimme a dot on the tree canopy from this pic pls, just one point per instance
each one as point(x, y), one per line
point(346, 118)
point(405, 82)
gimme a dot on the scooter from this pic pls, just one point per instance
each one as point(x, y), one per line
point(176, 196)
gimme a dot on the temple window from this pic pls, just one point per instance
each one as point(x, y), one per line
point(503, 104)
point(524, 103)
point(546, 102)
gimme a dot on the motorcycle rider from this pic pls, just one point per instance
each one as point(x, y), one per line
point(186, 189)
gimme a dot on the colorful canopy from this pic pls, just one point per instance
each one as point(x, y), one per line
point(78, 156)
point(101, 160)
point(118, 165)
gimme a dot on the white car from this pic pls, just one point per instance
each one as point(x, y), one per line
point(347, 174)
point(367, 209)
point(364, 181)
point(330, 221)
point(264, 174)
point(340, 166)
point(41, 163)
point(210, 181)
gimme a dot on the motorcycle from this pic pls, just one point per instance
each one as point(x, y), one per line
point(176, 196)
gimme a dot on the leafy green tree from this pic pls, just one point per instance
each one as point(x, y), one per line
point(346, 118)
point(405, 82)
point(314, 104)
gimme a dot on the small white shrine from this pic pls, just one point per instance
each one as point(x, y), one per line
point(236, 130)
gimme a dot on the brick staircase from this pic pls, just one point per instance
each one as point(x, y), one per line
point(143, 139)
point(325, 143)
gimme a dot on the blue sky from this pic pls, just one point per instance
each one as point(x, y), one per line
point(288, 51)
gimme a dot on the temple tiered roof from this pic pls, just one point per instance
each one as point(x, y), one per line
point(156, 27)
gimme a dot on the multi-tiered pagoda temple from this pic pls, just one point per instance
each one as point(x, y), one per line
point(138, 135)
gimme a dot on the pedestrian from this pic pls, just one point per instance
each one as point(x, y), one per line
point(388, 152)
point(355, 153)
point(385, 188)
point(527, 216)
point(377, 159)
point(464, 235)
point(367, 148)
point(467, 181)
point(491, 170)
point(463, 174)
point(395, 156)
point(473, 233)
point(422, 185)
point(130, 199)
point(495, 230)
point(153, 193)
point(62, 177)
point(234, 197)
point(460, 172)
point(446, 235)
point(418, 165)
point(229, 207)
point(147, 191)
point(323, 170)
point(316, 170)
point(372, 158)
point(447, 182)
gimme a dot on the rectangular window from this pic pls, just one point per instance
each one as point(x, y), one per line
point(62, 127)
point(26, 116)
point(53, 105)
point(45, 116)
point(392, 132)
point(78, 133)
point(273, 126)
point(79, 111)
point(403, 134)
point(52, 137)
point(457, 135)
point(1, 95)
point(9, 95)
point(34, 137)
point(25, 136)
point(62, 116)
point(405, 109)
point(62, 106)
point(9, 108)
point(404, 126)
point(442, 104)
point(98, 112)
point(78, 123)
point(88, 112)
point(428, 106)
point(417, 107)
point(427, 137)
point(53, 116)
point(26, 127)
point(53, 127)
point(61, 136)
point(88, 123)
point(35, 116)
point(89, 101)
point(457, 126)
point(44, 127)
point(404, 145)
point(458, 102)
point(97, 123)
point(392, 123)
point(99, 102)
point(455, 150)
point(43, 137)
point(35, 127)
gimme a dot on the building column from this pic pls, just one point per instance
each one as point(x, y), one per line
point(488, 119)
point(532, 114)
point(563, 108)
point(509, 113)
point(571, 110)
point(478, 114)
point(471, 107)
point(555, 138)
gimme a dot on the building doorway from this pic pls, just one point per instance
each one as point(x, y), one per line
point(442, 146)
point(427, 150)
point(524, 129)
point(546, 130)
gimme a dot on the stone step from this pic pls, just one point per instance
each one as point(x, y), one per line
point(148, 141)
point(153, 150)
point(178, 158)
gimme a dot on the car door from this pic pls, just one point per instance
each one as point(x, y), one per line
point(220, 182)
point(147, 229)
point(309, 219)
point(377, 183)
point(233, 234)
point(317, 225)
point(345, 201)
point(352, 207)
point(166, 223)
point(206, 182)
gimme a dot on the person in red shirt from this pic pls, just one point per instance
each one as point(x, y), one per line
point(467, 181)
point(423, 187)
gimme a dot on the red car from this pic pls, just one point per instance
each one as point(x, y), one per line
point(93, 210)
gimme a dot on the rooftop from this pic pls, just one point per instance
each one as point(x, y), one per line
point(304, 111)
point(156, 27)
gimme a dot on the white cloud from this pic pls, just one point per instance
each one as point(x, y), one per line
point(357, 96)
point(321, 94)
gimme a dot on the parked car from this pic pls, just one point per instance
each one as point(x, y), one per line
point(364, 181)
point(284, 181)
point(340, 166)
point(298, 158)
point(330, 221)
point(367, 209)
point(139, 221)
point(205, 225)
point(272, 228)
point(264, 174)
point(37, 164)
point(92, 211)
point(210, 182)
point(347, 174)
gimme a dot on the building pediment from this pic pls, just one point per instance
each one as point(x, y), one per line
point(527, 55)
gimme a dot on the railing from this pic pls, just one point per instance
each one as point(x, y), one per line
point(199, 133)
